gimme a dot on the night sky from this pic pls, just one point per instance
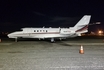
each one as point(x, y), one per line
point(16, 14)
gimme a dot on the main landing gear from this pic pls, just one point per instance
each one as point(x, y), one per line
point(52, 40)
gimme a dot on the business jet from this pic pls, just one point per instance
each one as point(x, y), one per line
point(53, 33)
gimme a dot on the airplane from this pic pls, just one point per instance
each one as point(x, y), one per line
point(53, 33)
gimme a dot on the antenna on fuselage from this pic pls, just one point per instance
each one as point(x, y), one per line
point(43, 26)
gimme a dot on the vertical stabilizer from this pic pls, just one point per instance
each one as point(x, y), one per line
point(83, 23)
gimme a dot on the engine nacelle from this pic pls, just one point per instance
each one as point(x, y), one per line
point(66, 31)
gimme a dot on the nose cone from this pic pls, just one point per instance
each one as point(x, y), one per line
point(10, 35)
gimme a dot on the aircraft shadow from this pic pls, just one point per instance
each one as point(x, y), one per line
point(62, 43)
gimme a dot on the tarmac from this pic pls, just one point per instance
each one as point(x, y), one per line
point(43, 55)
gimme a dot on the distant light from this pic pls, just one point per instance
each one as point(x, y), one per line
point(100, 32)
point(98, 22)
point(95, 23)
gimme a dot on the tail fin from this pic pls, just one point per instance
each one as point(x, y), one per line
point(82, 25)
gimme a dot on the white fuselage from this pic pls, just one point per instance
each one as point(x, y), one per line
point(80, 27)
point(43, 33)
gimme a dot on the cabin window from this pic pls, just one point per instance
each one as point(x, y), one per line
point(37, 30)
point(40, 30)
point(34, 30)
point(46, 30)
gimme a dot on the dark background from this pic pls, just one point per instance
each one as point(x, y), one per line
point(16, 14)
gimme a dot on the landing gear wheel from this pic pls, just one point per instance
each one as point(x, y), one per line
point(60, 39)
point(52, 40)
